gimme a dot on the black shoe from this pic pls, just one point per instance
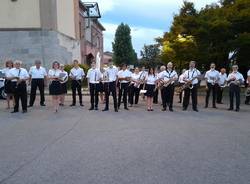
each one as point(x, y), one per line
point(91, 108)
point(237, 110)
point(24, 111)
point(14, 112)
point(184, 108)
point(196, 110)
point(214, 107)
point(219, 103)
point(104, 110)
point(247, 103)
point(116, 110)
point(43, 104)
point(126, 108)
point(81, 105)
point(171, 110)
point(230, 109)
point(61, 104)
point(164, 109)
point(29, 106)
point(72, 105)
point(96, 108)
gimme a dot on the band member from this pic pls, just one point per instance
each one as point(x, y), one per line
point(248, 86)
point(124, 77)
point(101, 88)
point(235, 80)
point(110, 85)
point(150, 86)
point(222, 85)
point(38, 76)
point(168, 91)
point(18, 77)
point(181, 83)
point(94, 77)
point(63, 86)
point(212, 78)
point(7, 83)
point(191, 77)
point(156, 93)
point(144, 74)
point(134, 87)
point(55, 86)
point(160, 77)
point(76, 74)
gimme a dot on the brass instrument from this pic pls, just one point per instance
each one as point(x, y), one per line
point(63, 78)
point(105, 76)
point(189, 84)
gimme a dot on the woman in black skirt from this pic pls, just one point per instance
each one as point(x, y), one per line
point(55, 86)
point(7, 83)
point(150, 86)
point(63, 85)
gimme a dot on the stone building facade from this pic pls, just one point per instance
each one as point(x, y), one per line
point(43, 29)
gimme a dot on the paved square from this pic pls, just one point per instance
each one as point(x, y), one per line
point(76, 146)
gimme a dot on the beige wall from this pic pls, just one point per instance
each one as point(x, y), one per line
point(66, 17)
point(19, 14)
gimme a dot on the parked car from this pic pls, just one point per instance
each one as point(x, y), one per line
point(2, 93)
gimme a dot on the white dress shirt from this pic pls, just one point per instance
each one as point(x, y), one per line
point(248, 75)
point(124, 74)
point(236, 75)
point(112, 73)
point(181, 79)
point(94, 76)
point(191, 74)
point(77, 73)
point(150, 79)
point(135, 77)
point(212, 76)
point(21, 73)
point(37, 73)
point(6, 72)
point(222, 79)
point(54, 73)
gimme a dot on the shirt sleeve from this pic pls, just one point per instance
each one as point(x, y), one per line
point(206, 75)
point(88, 74)
point(45, 72)
point(26, 74)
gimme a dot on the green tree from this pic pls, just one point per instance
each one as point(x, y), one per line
point(150, 55)
point(122, 46)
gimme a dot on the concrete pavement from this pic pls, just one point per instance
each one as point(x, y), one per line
point(76, 146)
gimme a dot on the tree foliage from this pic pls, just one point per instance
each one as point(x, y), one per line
point(209, 35)
point(122, 46)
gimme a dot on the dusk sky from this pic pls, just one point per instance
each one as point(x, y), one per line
point(147, 19)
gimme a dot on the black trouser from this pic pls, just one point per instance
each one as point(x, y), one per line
point(214, 89)
point(20, 92)
point(110, 87)
point(123, 91)
point(76, 85)
point(34, 84)
point(247, 99)
point(168, 96)
point(94, 91)
point(234, 90)
point(186, 99)
point(155, 98)
point(219, 94)
point(134, 94)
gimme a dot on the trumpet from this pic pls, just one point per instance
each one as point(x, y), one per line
point(189, 84)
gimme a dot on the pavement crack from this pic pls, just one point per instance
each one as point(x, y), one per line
point(50, 144)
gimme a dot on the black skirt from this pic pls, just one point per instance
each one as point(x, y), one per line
point(64, 88)
point(150, 90)
point(8, 89)
point(55, 88)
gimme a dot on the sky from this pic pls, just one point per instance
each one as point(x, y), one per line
point(148, 19)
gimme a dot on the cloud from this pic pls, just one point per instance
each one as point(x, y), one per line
point(140, 36)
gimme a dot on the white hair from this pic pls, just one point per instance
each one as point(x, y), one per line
point(163, 68)
point(18, 62)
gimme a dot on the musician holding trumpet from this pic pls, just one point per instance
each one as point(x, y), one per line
point(169, 77)
point(248, 89)
point(212, 78)
point(191, 77)
point(137, 79)
point(124, 76)
point(18, 77)
point(76, 74)
point(235, 80)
